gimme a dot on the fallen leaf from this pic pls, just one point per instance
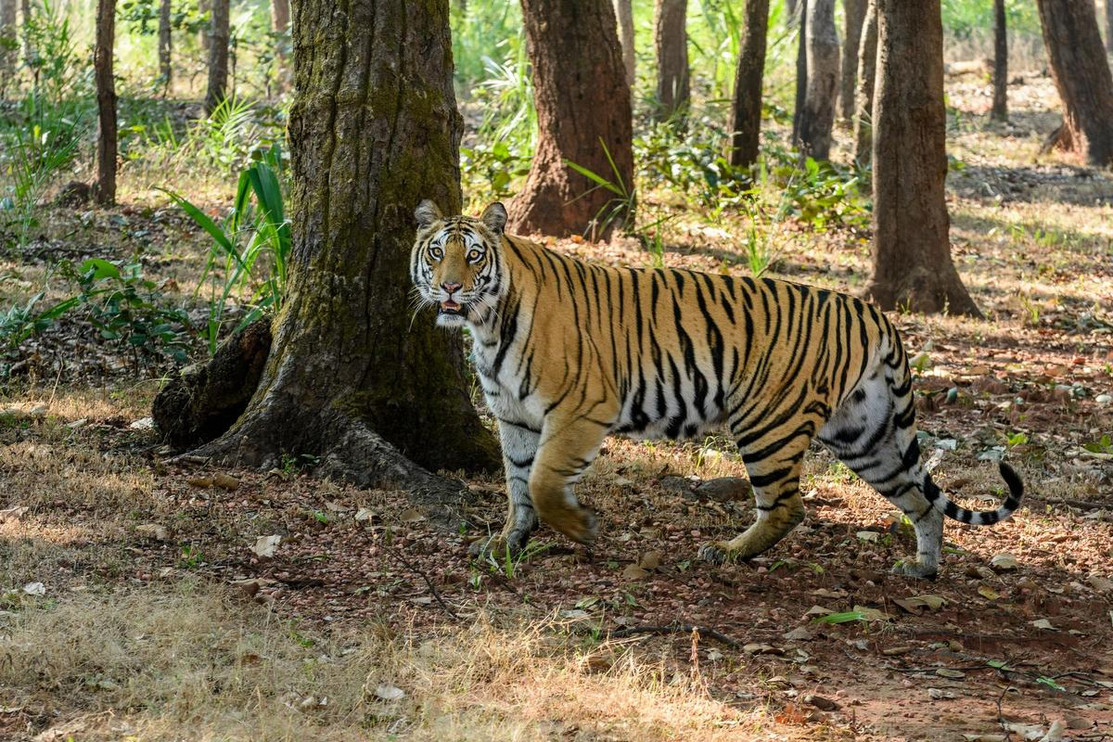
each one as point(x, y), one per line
point(265, 545)
point(143, 423)
point(152, 530)
point(1043, 623)
point(868, 536)
point(988, 592)
point(388, 692)
point(364, 514)
point(759, 648)
point(226, 482)
point(412, 515)
point(13, 513)
point(1004, 562)
point(34, 588)
point(822, 703)
point(944, 672)
point(634, 572)
point(799, 634)
point(914, 604)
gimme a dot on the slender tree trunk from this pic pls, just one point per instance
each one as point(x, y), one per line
point(164, 44)
point(1000, 110)
point(25, 9)
point(218, 56)
point(206, 6)
point(583, 115)
point(8, 43)
point(105, 189)
point(671, 39)
point(818, 117)
point(1082, 77)
point(863, 96)
point(791, 12)
point(912, 264)
point(745, 119)
point(280, 15)
point(801, 16)
point(1109, 25)
point(624, 9)
point(854, 14)
point(353, 376)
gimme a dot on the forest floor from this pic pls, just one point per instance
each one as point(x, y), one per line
point(145, 598)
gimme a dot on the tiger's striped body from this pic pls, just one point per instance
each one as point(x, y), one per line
point(569, 352)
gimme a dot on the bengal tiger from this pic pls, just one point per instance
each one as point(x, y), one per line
point(569, 352)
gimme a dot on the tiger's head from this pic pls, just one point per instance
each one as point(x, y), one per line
point(457, 263)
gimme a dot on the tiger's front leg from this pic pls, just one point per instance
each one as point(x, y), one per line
point(519, 449)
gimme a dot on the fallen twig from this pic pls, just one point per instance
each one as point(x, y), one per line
point(437, 596)
point(675, 629)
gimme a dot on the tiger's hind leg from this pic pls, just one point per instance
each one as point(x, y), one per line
point(874, 433)
point(774, 469)
point(569, 443)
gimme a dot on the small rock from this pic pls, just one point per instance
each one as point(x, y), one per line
point(1101, 584)
point(1104, 399)
point(944, 672)
point(821, 703)
point(1004, 562)
point(143, 423)
point(725, 489)
point(799, 634)
point(680, 485)
point(265, 545)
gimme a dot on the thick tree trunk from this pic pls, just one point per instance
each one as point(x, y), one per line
point(105, 189)
point(1082, 76)
point(863, 96)
point(583, 116)
point(911, 250)
point(164, 44)
point(624, 10)
point(671, 40)
point(854, 14)
point(218, 56)
point(354, 376)
point(818, 116)
point(745, 119)
point(1000, 109)
point(801, 15)
point(280, 16)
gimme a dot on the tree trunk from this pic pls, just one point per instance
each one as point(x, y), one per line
point(911, 249)
point(354, 377)
point(583, 116)
point(25, 10)
point(745, 119)
point(863, 96)
point(8, 43)
point(280, 15)
point(671, 39)
point(205, 6)
point(1109, 25)
point(791, 12)
point(624, 9)
point(801, 16)
point(105, 189)
point(818, 117)
point(1081, 73)
point(1000, 110)
point(218, 56)
point(164, 44)
point(854, 14)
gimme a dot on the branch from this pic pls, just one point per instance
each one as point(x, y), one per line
point(675, 629)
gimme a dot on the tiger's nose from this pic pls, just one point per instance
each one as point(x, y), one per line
point(451, 287)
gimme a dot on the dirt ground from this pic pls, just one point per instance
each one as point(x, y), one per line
point(146, 598)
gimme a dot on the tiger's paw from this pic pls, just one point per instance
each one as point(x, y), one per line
point(578, 523)
point(512, 542)
point(914, 568)
point(716, 553)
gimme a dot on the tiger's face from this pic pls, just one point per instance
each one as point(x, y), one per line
point(456, 263)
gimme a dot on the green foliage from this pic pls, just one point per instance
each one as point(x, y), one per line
point(964, 18)
point(821, 194)
point(482, 31)
point(1103, 445)
point(621, 208)
point(251, 246)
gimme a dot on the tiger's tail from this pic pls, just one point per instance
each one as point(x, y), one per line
point(978, 517)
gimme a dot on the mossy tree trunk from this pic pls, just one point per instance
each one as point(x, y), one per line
point(670, 35)
point(912, 264)
point(105, 189)
point(745, 118)
point(583, 115)
point(354, 377)
point(1081, 73)
point(218, 55)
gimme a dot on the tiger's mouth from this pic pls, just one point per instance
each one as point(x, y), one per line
point(448, 307)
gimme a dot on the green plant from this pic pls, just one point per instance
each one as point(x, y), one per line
point(1103, 445)
point(619, 209)
point(253, 243)
point(21, 322)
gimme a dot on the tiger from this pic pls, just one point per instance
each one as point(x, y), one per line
point(568, 352)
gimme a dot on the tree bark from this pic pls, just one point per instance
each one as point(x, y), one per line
point(1000, 109)
point(791, 12)
point(164, 44)
point(583, 114)
point(671, 40)
point(745, 119)
point(218, 56)
point(280, 15)
point(801, 15)
point(912, 264)
point(8, 43)
point(354, 377)
point(105, 189)
point(624, 9)
point(818, 116)
point(205, 6)
point(863, 96)
point(25, 11)
point(854, 15)
point(1109, 25)
point(1081, 73)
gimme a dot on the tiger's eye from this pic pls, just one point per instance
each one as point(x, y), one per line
point(436, 253)
point(473, 255)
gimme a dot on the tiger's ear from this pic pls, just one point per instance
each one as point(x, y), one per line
point(494, 217)
point(426, 213)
